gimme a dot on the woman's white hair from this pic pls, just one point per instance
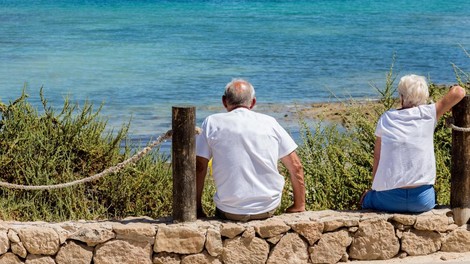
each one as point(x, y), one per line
point(413, 90)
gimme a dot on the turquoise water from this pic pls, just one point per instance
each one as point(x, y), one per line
point(142, 57)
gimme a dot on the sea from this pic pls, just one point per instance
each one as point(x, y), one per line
point(140, 58)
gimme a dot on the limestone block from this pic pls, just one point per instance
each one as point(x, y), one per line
point(39, 259)
point(310, 230)
point(10, 258)
point(290, 249)
point(13, 236)
point(123, 252)
point(375, 239)
point(74, 252)
point(19, 250)
point(166, 258)
point(240, 250)
point(457, 241)
point(135, 231)
point(332, 225)
point(331, 248)
point(93, 235)
point(179, 239)
point(271, 228)
point(249, 233)
point(4, 242)
point(63, 233)
point(275, 239)
point(437, 223)
point(407, 220)
point(419, 242)
point(39, 240)
point(201, 258)
point(214, 245)
point(231, 230)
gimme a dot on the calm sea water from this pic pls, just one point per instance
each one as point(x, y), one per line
point(142, 57)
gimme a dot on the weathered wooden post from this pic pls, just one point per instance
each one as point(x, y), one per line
point(460, 171)
point(184, 163)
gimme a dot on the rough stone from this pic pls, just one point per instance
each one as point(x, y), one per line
point(290, 249)
point(214, 245)
point(407, 220)
point(254, 250)
point(271, 228)
point(201, 258)
point(19, 250)
point(39, 259)
point(312, 231)
point(13, 236)
point(179, 239)
point(419, 242)
point(274, 240)
point(331, 247)
point(73, 252)
point(135, 231)
point(231, 230)
point(4, 242)
point(123, 251)
point(10, 258)
point(457, 241)
point(375, 239)
point(166, 258)
point(332, 225)
point(437, 223)
point(39, 240)
point(93, 235)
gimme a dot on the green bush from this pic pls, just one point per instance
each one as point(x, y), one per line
point(48, 147)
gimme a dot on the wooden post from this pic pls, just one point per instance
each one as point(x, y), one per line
point(460, 170)
point(184, 163)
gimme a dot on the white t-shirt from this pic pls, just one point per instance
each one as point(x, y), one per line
point(407, 149)
point(246, 147)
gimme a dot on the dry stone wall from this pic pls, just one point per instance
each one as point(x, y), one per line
point(309, 237)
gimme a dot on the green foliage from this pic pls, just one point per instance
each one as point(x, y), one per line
point(48, 147)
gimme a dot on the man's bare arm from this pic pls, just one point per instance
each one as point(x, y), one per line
point(296, 171)
point(201, 171)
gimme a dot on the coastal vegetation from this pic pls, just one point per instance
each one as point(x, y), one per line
point(47, 146)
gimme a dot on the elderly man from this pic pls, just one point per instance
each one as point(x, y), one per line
point(245, 147)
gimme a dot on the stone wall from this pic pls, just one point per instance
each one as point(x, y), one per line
point(309, 237)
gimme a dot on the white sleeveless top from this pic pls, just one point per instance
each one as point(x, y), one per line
point(407, 149)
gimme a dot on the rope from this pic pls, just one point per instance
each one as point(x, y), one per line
point(450, 123)
point(95, 177)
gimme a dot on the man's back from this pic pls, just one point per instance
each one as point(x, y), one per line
point(245, 147)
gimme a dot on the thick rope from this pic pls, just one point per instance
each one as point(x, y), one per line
point(450, 123)
point(95, 177)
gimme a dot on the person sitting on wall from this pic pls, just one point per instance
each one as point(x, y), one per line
point(245, 148)
point(404, 169)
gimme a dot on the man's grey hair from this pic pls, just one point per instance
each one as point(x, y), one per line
point(239, 92)
point(413, 89)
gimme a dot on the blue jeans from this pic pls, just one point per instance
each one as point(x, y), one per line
point(414, 200)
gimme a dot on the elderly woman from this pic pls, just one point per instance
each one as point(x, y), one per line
point(404, 169)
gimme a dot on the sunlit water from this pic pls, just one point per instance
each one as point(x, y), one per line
point(142, 57)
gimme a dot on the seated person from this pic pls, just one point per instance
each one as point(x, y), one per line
point(404, 169)
point(245, 148)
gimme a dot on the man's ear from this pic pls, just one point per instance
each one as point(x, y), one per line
point(253, 102)
point(224, 101)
